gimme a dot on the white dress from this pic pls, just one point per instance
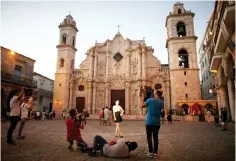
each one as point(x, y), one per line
point(24, 110)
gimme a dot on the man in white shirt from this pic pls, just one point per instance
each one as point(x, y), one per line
point(116, 148)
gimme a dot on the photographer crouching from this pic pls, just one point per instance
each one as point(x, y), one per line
point(74, 124)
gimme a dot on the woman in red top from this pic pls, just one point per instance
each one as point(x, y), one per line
point(73, 131)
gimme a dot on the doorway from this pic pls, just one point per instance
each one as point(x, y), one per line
point(80, 104)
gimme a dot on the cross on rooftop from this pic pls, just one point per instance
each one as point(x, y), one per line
point(118, 27)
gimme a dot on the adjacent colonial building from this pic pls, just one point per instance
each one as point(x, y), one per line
point(222, 59)
point(44, 93)
point(16, 74)
point(207, 78)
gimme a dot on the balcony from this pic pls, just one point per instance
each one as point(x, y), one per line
point(24, 81)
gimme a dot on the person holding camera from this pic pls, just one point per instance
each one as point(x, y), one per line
point(73, 130)
point(15, 105)
point(154, 107)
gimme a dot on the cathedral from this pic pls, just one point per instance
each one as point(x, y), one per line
point(119, 69)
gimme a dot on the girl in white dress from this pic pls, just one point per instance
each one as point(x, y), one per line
point(118, 112)
point(25, 106)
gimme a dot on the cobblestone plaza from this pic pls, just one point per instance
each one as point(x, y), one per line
point(181, 141)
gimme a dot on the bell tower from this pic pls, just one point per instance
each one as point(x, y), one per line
point(65, 63)
point(181, 46)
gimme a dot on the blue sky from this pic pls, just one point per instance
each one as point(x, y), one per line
point(31, 28)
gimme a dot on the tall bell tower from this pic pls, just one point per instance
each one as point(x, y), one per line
point(65, 63)
point(181, 46)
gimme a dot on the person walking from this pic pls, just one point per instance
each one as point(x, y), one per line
point(14, 117)
point(162, 116)
point(106, 115)
point(154, 107)
point(224, 118)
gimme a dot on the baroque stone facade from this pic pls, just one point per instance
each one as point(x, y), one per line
point(120, 68)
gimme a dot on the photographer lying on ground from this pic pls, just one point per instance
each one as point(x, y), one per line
point(73, 131)
point(116, 148)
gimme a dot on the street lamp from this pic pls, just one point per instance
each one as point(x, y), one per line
point(12, 52)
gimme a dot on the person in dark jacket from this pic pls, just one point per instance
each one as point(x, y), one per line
point(169, 117)
point(163, 116)
point(224, 118)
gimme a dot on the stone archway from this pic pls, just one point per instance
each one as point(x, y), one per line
point(185, 107)
point(224, 90)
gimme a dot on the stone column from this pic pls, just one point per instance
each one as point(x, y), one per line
point(139, 64)
point(139, 98)
point(128, 64)
point(107, 95)
point(91, 65)
point(218, 100)
point(95, 66)
point(107, 62)
point(94, 98)
point(168, 94)
point(127, 97)
point(89, 96)
point(224, 100)
point(231, 94)
point(144, 63)
point(71, 93)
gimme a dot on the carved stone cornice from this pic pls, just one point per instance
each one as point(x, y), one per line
point(66, 45)
point(183, 69)
point(180, 38)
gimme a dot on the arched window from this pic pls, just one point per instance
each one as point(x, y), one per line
point(64, 39)
point(183, 59)
point(181, 31)
point(62, 62)
point(179, 11)
point(73, 41)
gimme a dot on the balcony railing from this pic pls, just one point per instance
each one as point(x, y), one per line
point(7, 77)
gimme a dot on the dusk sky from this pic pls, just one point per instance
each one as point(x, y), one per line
point(31, 28)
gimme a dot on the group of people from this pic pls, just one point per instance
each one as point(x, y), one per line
point(19, 108)
point(118, 147)
point(105, 116)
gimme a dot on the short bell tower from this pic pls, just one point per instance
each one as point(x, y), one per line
point(65, 63)
point(181, 46)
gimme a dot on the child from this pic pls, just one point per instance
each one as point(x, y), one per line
point(25, 106)
point(73, 131)
point(100, 117)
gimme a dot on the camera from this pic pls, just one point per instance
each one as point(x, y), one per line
point(82, 116)
point(149, 92)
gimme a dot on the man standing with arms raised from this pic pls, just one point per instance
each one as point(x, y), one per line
point(154, 107)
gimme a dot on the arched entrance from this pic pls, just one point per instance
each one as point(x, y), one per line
point(185, 107)
point(209, 107)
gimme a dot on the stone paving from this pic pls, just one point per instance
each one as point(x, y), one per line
point(181, 141)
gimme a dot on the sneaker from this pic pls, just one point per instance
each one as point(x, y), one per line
point(20, 137)
point(11, 142)
point(155, 156)
point(150, 154)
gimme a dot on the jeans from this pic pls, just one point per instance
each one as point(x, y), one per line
point(99, 142)
point(13, 122)
point(152, 130)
